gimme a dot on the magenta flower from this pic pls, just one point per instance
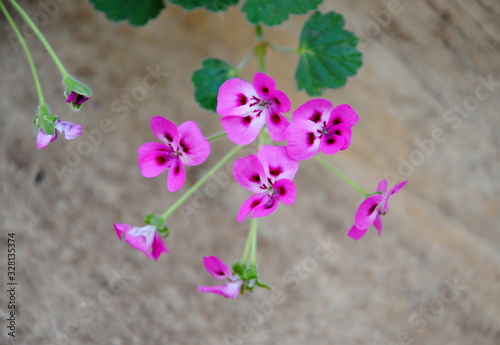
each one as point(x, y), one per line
point(70, 130)
point(145, 239)
point(247, 107)
point(183, 145)
point(269, 175)
point(76, 100)
point(372, 208)
point(317, 125)
point(220, 271)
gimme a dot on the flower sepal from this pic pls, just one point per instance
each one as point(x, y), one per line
point(158, 223)
point(45, 120)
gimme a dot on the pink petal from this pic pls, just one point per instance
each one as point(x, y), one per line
point(382, 186)
point(285, 191)
point(316, 110)
point(236, 97)
point(227, 290)
point(356, 233)
point(267, 206)
point(165, 130)
point(194, 148)
point(70, 130)
point(250, 205)
point(343, 114)
point(248, 172)
point(277, 125)
point(343, 131)
point(303, 139)
point(280, 101)
point(276, 163)
point(43, 140)
point(217, 268)
point(331, 144)
point(153, 162)
point(378, 224)
point(139, 243)
point(264, 85)
point(158, 247)
point(121, 229)
point(176, 176)
point(243, 130)
point(367, 211)
point(393, 191)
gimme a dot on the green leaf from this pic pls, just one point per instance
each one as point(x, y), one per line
point(137, 12)
point(211, 5)
point(328, 54)
point(208, 79)
point(274, 12)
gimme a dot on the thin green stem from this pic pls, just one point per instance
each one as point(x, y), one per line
point(260, 48)
point(253, 230)
point(283, 48)
point(342, 176)
point(247, 247)
point(217, 136)
point(198, 184)
point(28, 54)
point(41, 38)
point(245, 60)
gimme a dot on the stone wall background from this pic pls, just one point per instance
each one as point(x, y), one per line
point(79, 285)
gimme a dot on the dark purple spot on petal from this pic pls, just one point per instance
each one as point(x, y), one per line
point(255, 178)
point(255, 203)
point(330, 141)
point(310, 138)
point(275, 171)
point(184, 147)
point(337, 121)
point(277, 101)
point(168, 137)
point(281, 190)
point(219, 273)
point(160, 160)
point(247, 120)
point(337, 132)
point(177, 169)
point(370, 211)
point(316, 116)
point(242, 99)
point(275, 118)
point(265, 89)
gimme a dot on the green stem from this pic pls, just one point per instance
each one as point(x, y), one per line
point(247, 247)
point(342, 176)
point(28, 55)
point(283, 48)
point(245, 60)
point(41, 38)
point(200, 182)
point(260, 48)
point(217, 136)
point(253, 231)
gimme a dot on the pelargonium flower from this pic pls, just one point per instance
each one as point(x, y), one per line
point(220, 271)
point(372, 208)
point(183, 145)
point(269, 175)
point(76, 92)
point(146, 239)
point(247, 107)
point(317, 125)
point(70, 130)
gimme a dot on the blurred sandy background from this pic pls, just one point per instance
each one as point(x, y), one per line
point(432, 278)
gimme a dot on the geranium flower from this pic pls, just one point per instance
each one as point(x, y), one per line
point(269, 175)
point(372, 208)
point(70, 130)
point(220, 271)
point(76, 92)
point(247, 107)
point(183, 145)
point(146, 239)
point(317, 125)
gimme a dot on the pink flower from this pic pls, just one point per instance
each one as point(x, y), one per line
point(183, 145)
point(220, 271)
point(76, 100)
point(145, 239)
point(70, 130)
point(372, 208)
point(269, 175)
point(247, 107)
point(317, 125)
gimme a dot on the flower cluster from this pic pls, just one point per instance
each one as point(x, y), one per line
point(250, 111)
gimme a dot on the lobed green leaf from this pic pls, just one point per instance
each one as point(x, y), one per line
point(211, 5)
point(137, 12)
point(274, 12)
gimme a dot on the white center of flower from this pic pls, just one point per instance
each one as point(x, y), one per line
point(147, 231)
